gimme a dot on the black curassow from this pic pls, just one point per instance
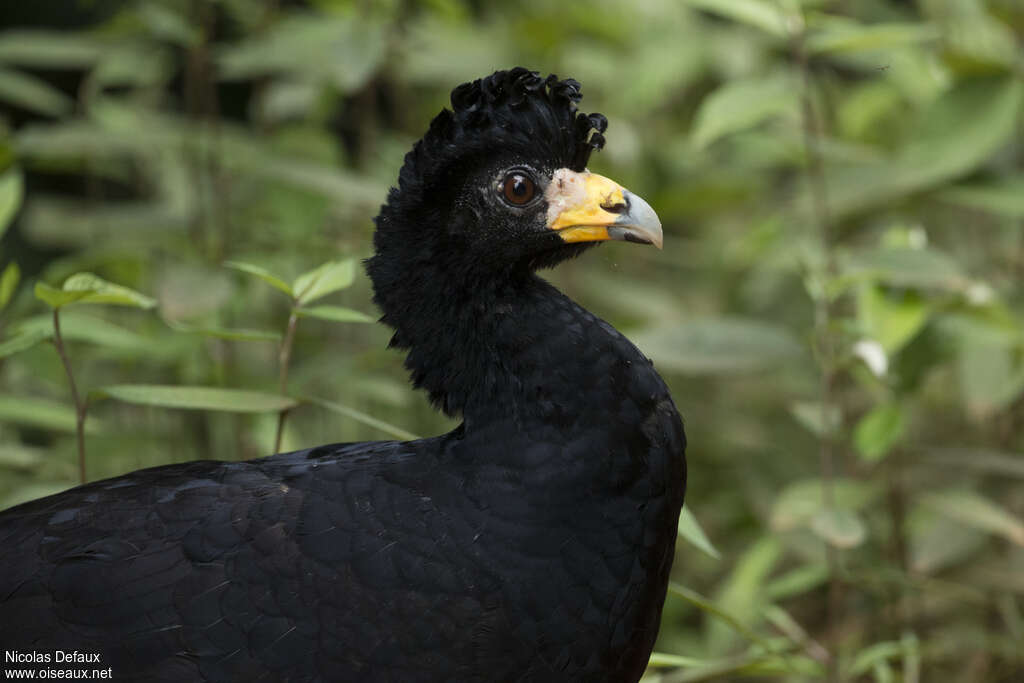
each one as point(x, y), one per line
point(532, 543)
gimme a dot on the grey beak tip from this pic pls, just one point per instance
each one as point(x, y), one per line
point(639, 224)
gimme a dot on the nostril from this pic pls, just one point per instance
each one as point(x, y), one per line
point(616, 207)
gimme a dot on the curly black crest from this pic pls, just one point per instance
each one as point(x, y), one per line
point(509, 111)
point(476, 103)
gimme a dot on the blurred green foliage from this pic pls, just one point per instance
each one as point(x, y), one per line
point(839, 307)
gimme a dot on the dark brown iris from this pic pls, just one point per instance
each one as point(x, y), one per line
point(518, 189)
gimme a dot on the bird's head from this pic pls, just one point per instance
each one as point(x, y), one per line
point(499, 183)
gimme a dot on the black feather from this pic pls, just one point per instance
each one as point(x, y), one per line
point(532, 543)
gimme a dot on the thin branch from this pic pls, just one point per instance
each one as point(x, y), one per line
point(80, 406)
point(284, 358)
point(823, 331)
point(789, 627)
point(899, 546)
point(767, 647)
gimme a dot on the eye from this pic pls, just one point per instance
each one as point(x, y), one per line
point(518, 188)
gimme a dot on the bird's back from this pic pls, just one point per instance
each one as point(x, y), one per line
point(296, 567)
point(378, 561)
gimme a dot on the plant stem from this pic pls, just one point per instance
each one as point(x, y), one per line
point(897, 499)
point(284, 357)
point(80, 407)
point(823, 333)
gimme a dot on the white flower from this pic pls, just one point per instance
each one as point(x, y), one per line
point(917, 237)
point(979, 294)
point(873, 355)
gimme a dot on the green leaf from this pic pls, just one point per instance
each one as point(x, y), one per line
point(338, 314)
point(993, 325)
point(780, 666)
point(984, 460)
point(41, 413)
point(321, 281)
point(911, 657)
point(1002, 196)
point(48, 49)
point(360, 416)
point(261, 273)
point(18, 457)
point(233, 334)
point(878, 431)
point(903, 267)
point(56, 297)
point(286, 100)
point(692, 532)
point(975, 510)
point(662, 660)
point(33, 94)
point(959, 132)
point(797, 634)
point(742, 592)
point(797, 581)
point(447, 52)
point(937, 542)
point(78, 226)
point(718, 345)
point(336, 49)
point(128, 65)
point(75, 138)
point(99, 291)
point(239, 334)
point(20, 342)
point(165, 23)
point(117, 129)
point(79, 327)
point(872, 655)
point(891, 318)
point(320, 178)
point(762, 14)
point(841, 35)
point(866, 108)
point(839, 527)
point(8, 283)
point(798, 504)
point(742, 104)
point(975, 40)
point(71, 139)
point(197, 398)
point(813, 418)
point(991, 375)
point(710, 607)
point(87, 288)
point(12, 190)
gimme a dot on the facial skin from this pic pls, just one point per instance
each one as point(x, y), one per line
point(577, 207)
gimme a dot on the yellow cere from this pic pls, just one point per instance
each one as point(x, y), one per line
point(575, 200)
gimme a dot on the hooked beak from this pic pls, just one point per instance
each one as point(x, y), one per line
point(586, 207)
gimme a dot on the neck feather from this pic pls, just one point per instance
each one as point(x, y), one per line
point(461, 346)
point(491, 344)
